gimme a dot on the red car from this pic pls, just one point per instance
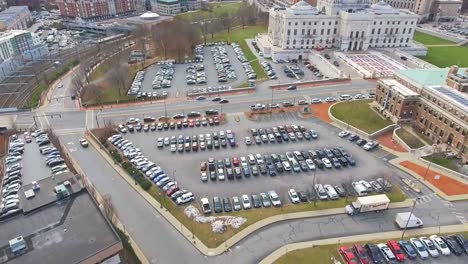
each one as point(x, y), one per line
point(191, 124)
point(348, 255)
point(203, 166)
point(361, 254)
point(396, 249)
point(172, 190)
point(235, 161)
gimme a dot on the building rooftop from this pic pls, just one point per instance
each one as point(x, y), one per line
point(457, 98)
point(46, 194)
point(426, 77)
point(398, 87)
point(69, 230)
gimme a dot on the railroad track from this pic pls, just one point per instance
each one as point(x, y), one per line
point(20, 94)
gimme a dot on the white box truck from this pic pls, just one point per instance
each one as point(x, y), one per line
point(371, 203)
point(402, 220)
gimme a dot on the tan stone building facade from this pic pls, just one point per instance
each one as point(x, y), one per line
point(434, 101)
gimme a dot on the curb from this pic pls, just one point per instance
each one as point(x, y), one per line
point(238, 236)
point(275, 255)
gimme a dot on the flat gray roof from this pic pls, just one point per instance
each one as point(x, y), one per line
point(67, 231)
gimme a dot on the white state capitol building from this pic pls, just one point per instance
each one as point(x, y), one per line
point(347, 25)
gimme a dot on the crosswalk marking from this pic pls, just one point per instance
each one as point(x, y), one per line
point(427, 198)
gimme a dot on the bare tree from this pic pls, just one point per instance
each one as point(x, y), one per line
point(119, 78)
point(161, 37)
point(246, 14)
point(212, 25)
point(226, 21)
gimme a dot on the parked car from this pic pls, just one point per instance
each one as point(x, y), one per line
point(408, 249)
point(293, 196)
point(462, 242)
point(275, 200)
point(419, 247)
point(361, 254)
point(452, 243)
point(440, 245)
point(430, 247)
point(386, 252)
point(348, 255)
point(397, 251)
point(374, 253)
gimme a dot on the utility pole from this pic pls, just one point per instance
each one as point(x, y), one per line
point(409, 217)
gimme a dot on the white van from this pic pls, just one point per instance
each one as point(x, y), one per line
point(345, 97)
point(360, 189)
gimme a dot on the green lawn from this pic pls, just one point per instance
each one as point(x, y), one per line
point(427, 39)
point(239, 35)
point(218, 10)
point(410, 140)
point(447, 56)
point(442, 161)
point(322, 254)
point(359, 114)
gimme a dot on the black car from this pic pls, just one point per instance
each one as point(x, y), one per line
point(218, 207)
point(462, 242)
point(321, 154)
point(350, 160)
point(211, 112)
point(374, 253)
point(340, 191)
point(238, 172)
point(343, 161)
point(279, 167)
point(224, 101)
point(360, 142)
point(353, 137)
point(303, 165)
point(313, 154)
point(319, 163)
point(275, 157)
point(452, 243)
point(408, 249)
point(263, 169)
point(302, 196)
point(227, 204)
point(256, 201)
point(213, 175)
point(230, 173)
point(292, 87)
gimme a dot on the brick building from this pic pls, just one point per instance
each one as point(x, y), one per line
point(434, 101)
point(92, 9)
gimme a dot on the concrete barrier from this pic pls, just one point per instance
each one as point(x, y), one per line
point(445, 170)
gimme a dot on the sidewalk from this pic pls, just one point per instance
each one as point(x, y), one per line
point(348, 239)
point(237, 237)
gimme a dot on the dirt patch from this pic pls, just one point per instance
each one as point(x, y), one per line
point(387, 140)
point(447, 185)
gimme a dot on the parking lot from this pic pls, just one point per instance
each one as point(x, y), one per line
point(179, 86)
point(185, 167)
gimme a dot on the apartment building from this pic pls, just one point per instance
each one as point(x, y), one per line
point(434, 101)
point(95, 9)
point(172, 7)
point(16, 17)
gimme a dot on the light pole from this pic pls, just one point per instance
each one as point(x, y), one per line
point(430, 162)
point(409, 217)
point(174, 175)
point(313, 189)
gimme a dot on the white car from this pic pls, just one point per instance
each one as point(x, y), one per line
point(440, 245)
point(243, 161)
point(221, 174)
point(275, 200)
point(12, 159)
point(310, 164)
point(251, 159)
point(327, 163)
point(419, 247)
point(248, 141)
point(386, 253)
point(343, 134)
point(259, 158)
point(204, 176)
point(173, 148)
point(236, 204)
point(293, 196)
point(331, 192)
point(246, 201)
point(430, 247)
point(286, 165)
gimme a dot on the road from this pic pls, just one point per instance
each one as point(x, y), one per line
point(160, 242)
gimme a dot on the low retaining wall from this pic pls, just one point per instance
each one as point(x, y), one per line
point(439, 35)
point(234, 90)
point(445, 170)
point(358, 131)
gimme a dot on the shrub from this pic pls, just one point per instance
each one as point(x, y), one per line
point(116, 156)
point(144, 183)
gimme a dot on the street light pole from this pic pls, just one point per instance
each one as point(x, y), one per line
point(430, 162)
point(409, 217)
point(174, 175)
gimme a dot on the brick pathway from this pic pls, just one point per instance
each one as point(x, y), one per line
point(387, 140)
point(321, 111)
point(446, 184)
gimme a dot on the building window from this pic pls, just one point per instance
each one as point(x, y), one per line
point(315, 23)
point(289, 32)
point(310, 23)
point(386, 30)
point(303, 23)
point(314, 31)
point(409, 31)
point(303, 31)
point(328, 31)
point(378, 31)
point(308, 31)
point(334, 31)
point(321, 32)
point(329, 23)
point(295, 32)
point(373, 31)
point(351, 34)
point(370, 40)
point(295, 23)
